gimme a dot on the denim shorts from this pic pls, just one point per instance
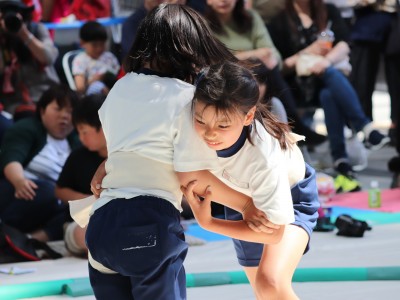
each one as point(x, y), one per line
point(305, 205)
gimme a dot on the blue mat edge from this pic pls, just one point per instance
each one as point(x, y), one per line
point(372, 217)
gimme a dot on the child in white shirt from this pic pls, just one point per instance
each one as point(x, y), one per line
point(258, 156)
point(95, 69)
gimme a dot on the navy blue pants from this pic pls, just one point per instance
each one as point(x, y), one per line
point(143, 241)
point(305, 205)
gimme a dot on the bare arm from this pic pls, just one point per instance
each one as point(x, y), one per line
point(80, 83)
point(316, 48)
point(234, 229)
point(338, 53)
point(228, 197)
point(67, 194)
point(221, 193)
point(36, 46)
point(95, 184)
point(335, 55)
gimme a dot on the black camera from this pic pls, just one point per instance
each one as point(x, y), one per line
point(10, 10)
point(12, 21)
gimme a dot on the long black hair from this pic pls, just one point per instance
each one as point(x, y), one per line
point(231, 88)
point(174, 39)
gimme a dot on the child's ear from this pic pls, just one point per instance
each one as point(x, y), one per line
point(249, 116)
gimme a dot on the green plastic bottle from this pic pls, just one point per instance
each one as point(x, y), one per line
point(374, 195)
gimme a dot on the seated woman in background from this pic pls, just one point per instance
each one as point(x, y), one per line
point(32, 155)
point(295, 32)
point(244, 32)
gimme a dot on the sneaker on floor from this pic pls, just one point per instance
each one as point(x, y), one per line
point(346, 181)
point(346, 184)
point(376, 140)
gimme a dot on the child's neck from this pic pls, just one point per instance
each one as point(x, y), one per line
point(232, 150)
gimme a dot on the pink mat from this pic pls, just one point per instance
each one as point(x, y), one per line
point(390, 200)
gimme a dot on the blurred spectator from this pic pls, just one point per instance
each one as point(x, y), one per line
point(55, 10)
point(49, 10)
point(130, 26)
point(267, 9)
point(369, 37)
point(32, 155)
point(346, 9)
point(244, 32)
point(95, 69)
point(26, 59)
point(296, 32)
point(90, 10)
point(74, 180)
point(37, 11)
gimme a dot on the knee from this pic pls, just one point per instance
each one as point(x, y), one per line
point(269, 286)
point(45, 186)
point(325, 96)
point(45, 192)
point(331, 71)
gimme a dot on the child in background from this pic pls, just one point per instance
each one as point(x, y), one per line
point(95, 70)
point(74, 180)
point(259, 157)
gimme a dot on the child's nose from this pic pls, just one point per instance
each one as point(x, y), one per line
point(210, 133)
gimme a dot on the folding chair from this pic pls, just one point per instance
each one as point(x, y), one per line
point(67, 67)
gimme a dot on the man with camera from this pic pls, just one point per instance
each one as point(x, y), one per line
point(26, 59)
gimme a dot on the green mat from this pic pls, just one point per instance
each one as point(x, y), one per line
point(77, 287)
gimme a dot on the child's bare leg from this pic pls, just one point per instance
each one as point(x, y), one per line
point(251, 273)
point(74, 238)
point(79, 235)
point(278, 263)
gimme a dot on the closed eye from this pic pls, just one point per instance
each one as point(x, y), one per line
point(224, 126)
point(199, 122)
